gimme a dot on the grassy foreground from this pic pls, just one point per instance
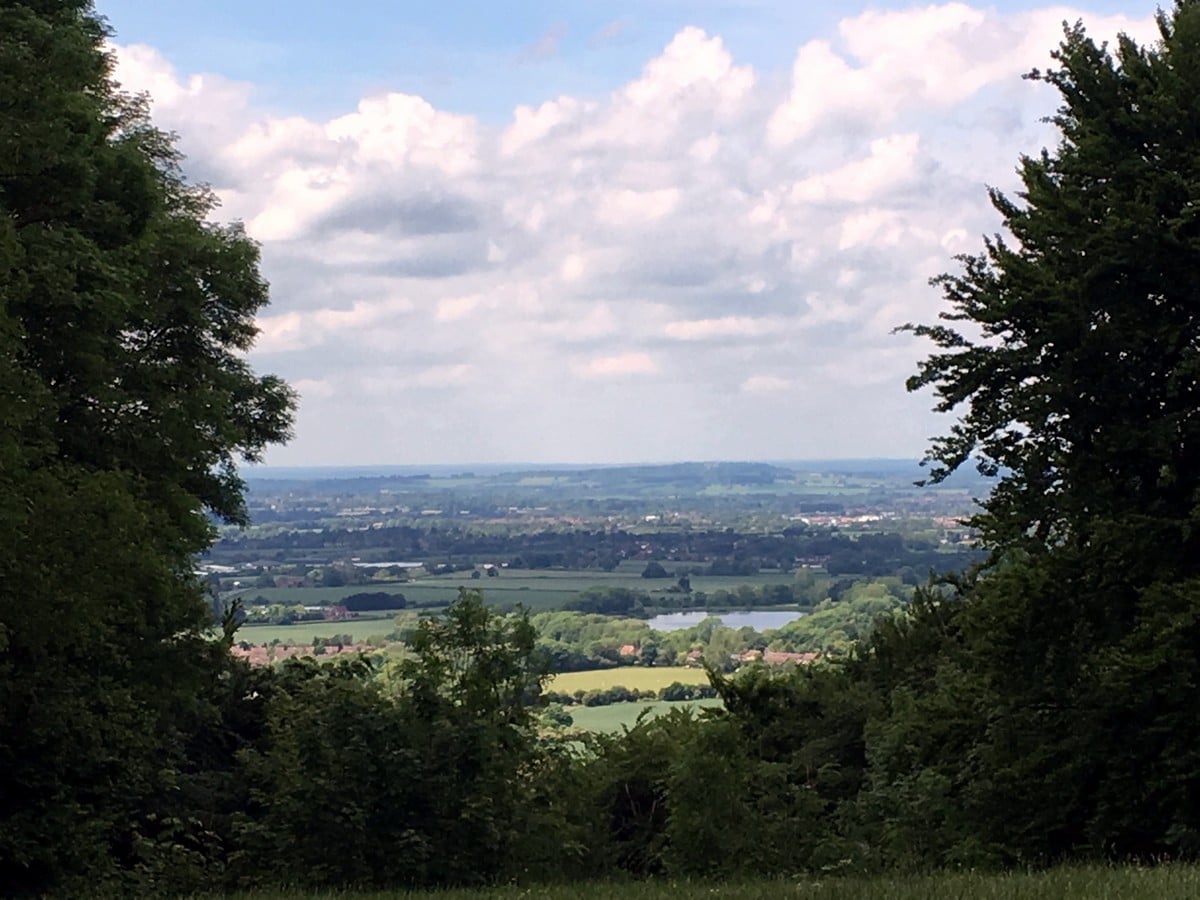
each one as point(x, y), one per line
point(1167, 882)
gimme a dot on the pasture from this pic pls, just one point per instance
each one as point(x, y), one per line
point(304, 632)
point(639, 678)
point(615, 716)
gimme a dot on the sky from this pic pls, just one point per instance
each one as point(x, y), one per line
point(599, 232)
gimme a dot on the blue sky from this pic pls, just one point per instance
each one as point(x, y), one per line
point(599, 232)
point(481, 58)
point(315, 56)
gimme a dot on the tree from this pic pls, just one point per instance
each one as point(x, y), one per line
point(127, 404)
point(1079, 390)
point(425, 777)
point(655, 569)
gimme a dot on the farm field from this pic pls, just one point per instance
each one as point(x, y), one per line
point(616, 716)
point(1166, 882)
point(537, 589)
point(633, 677)
point(304, 632)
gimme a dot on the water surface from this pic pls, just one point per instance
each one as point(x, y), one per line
point(759, 620)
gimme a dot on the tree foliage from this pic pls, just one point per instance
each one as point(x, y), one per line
point(1082, 389)
point(1081, 393)
point(127, 403)
point(426, 776)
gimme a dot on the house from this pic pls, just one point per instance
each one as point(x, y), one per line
point(627, 650)
point(779, 657)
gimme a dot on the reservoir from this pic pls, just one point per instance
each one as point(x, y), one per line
point(759, 621)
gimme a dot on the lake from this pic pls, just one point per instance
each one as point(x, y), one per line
point(759, 621)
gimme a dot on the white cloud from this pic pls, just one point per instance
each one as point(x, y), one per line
point(892, 162)
point(626, 207)
point(733, 247)
point(446, 376)
point(725, 327)
point(921, 58)
point(633, 363)
point(530, 125)
point(766, 384)
point(451, 309)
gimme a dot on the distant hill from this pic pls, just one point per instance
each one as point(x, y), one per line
point(682, 479)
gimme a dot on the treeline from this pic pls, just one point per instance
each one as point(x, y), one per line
point(715, 551)
point(806, 590)
point(258, 610)
point(675, 691)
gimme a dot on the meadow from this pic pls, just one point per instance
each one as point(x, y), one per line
point(1164, 882)
point(616, 716)
point(303, 632)
point(638, 678)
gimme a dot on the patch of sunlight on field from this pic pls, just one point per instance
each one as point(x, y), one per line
point(638, 678)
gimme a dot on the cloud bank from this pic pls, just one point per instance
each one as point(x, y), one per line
point(705, 263)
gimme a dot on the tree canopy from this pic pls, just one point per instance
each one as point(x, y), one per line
point(1082, 386)
point(1071, 352)
point(127, 404)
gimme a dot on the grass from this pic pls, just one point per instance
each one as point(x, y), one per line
point(304, 632)
point(616, 716)
point(632, 677)
point(1167, 882)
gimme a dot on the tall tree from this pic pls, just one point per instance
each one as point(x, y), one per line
point(1072, 353)
point(126, 405)
point(1082, 388)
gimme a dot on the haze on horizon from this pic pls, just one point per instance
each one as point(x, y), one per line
point(644, 233)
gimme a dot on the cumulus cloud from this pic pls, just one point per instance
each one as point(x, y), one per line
point(621, 364)
point(717, 329)
point(766, 384)
point(705, 241)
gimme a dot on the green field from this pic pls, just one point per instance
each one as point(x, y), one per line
point(536, 589)
point(1166, 882)
point(616, 716)
point(633, 677)
point(304, 632)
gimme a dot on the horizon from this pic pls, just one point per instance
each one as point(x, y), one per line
point(351, 470)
